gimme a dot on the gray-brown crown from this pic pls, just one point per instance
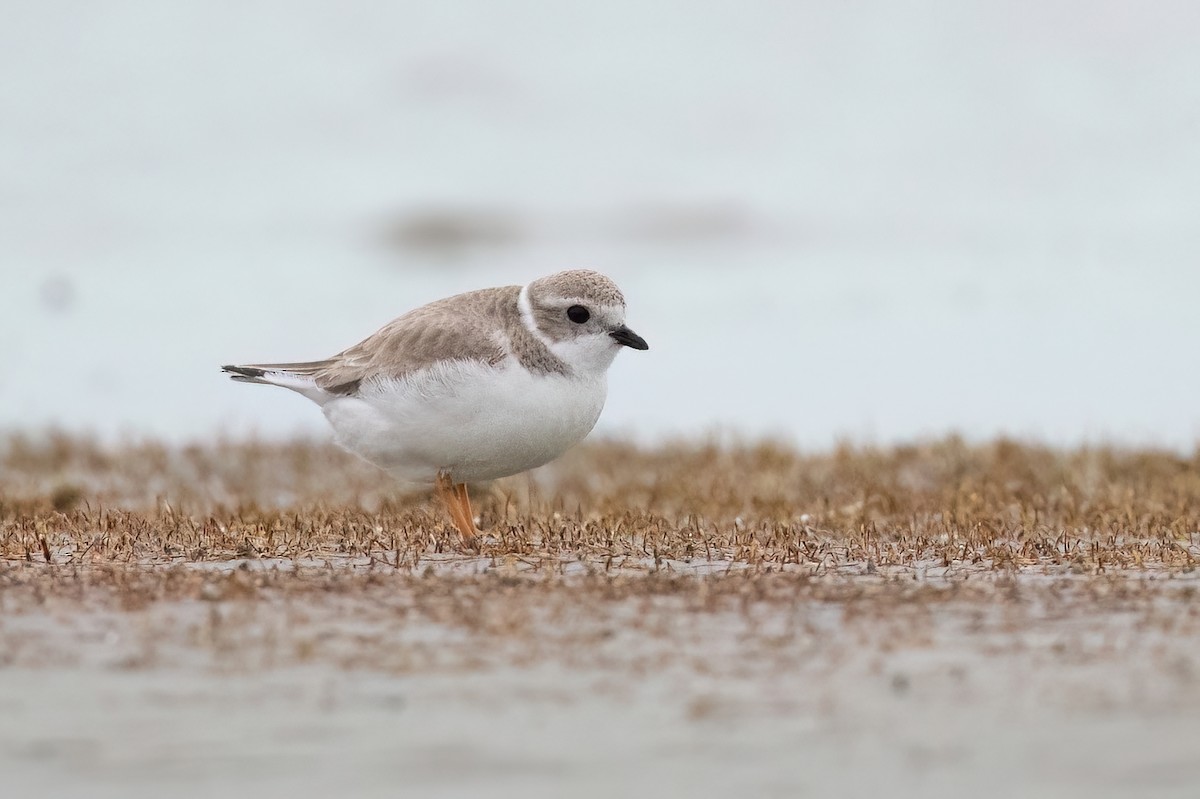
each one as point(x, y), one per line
point(578, 284)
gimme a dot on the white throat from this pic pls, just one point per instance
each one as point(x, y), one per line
point(588, 356)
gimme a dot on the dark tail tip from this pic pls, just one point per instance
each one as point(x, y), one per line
point(243, 371)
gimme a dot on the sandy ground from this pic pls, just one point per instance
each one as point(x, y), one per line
point(1022, 684)
point(940, 620)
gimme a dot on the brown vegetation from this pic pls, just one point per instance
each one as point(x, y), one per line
point(714, 559)
point(940, 506)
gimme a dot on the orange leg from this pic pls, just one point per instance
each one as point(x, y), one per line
point(458, 505)
point(465, 501)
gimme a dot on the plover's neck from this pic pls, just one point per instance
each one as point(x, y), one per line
point(532, 348)
point(525, 306)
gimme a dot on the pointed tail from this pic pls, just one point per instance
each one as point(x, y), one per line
point(299, 377)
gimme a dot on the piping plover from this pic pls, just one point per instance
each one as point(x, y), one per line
point(474, 387)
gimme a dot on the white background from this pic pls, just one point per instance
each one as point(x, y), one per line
point(875, 220)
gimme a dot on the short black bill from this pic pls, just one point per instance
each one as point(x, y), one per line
point(627, 337)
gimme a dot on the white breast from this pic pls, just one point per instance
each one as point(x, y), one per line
point(475, 421)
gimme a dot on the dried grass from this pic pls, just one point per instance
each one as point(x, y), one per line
point(717, 560)
point(607, 505)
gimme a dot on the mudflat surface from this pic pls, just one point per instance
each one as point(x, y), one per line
point(941, 620)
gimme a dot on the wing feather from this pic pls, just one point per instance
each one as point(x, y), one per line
point(459, 328)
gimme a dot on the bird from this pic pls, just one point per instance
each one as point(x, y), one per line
point(470, 388)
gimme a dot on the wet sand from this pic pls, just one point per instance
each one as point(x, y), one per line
point(801, 658)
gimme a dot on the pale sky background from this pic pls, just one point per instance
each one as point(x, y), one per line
point(875, 220)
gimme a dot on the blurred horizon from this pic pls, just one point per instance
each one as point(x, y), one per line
point(876, 223)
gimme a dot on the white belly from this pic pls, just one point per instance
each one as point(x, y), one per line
point(474, 421)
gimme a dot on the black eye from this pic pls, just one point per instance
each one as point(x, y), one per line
point(578, 314)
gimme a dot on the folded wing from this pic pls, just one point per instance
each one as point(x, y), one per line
point(466, 327)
